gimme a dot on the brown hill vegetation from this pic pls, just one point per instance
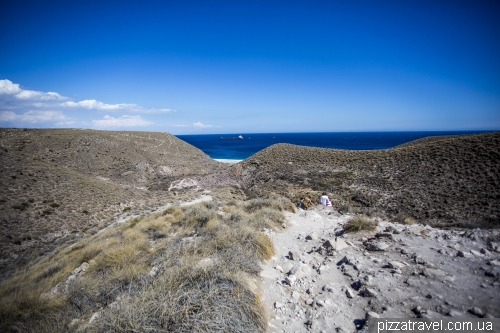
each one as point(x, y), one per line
point(186, 269)
point(56, 184)
point(451, 179)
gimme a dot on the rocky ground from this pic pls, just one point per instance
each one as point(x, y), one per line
point(322, 279)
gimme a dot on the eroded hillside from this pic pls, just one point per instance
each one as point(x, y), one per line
point(56, 184)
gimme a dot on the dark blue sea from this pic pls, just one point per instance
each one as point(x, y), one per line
point(214, 147)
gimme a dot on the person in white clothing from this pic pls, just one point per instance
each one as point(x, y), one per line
point(325, 201)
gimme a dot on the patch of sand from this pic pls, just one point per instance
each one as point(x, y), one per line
point(424, 272)
point(227, 160)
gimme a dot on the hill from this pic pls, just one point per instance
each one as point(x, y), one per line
point(75, 258)
point(452, 180)
point(57, 184)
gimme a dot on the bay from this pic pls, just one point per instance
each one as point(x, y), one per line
point(213, 146)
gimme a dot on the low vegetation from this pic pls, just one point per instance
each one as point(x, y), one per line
point(360, 223)
point(60, 182)
point(187, 269)
point(437, 180)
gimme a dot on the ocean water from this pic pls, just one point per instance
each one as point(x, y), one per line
point(213, 146)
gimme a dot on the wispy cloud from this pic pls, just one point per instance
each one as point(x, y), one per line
point(200, 125)
point(22, 107)
point(92, 104)
point(123, 121)
point(33, 116)
point(13, 97)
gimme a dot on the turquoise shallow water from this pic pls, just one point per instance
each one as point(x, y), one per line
point(251, 143)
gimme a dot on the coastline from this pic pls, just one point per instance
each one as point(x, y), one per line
point(224, 160)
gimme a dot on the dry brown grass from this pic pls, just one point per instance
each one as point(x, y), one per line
point(275, 202)
point(203, 259)
point(405, 219)
point(71, 182)
point(360, 223)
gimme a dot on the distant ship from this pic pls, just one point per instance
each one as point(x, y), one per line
point(239, 137)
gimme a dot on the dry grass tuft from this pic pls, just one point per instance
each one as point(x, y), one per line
point(405, 219)
point(360, 223)
point(203, 258)
point(275, 202)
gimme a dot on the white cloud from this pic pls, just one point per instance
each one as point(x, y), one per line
point(38, 95)
point(200, 125)
point(7, 87)
point(92, 104)
point(33, 116)
point(123, 121)
point(14, 98)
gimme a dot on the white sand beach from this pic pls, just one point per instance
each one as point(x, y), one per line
point(227, 160)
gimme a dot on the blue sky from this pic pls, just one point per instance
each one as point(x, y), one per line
point(191, 67)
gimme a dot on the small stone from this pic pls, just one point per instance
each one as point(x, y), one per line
point(309, 301)
point(340, 244)
point(278, 305)
point(431, 314)
point(345, 260)
point(290, 280)
point(328, 287)
point(320, 302)
point(357, 284)
point(455, 314)
point(279, 268)
point(312, 236)
point(463, 254)
point(477, 311)
point(377, 246)
point(495, 262)
point(349, 293)
point(371, 314)
point(419, 260)
point(485, 252)
point(301, 270)
point(369, 292)
point(283, 225)
point(476, 253)
point(396, 264)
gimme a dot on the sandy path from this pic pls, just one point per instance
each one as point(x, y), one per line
point(423, 272)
